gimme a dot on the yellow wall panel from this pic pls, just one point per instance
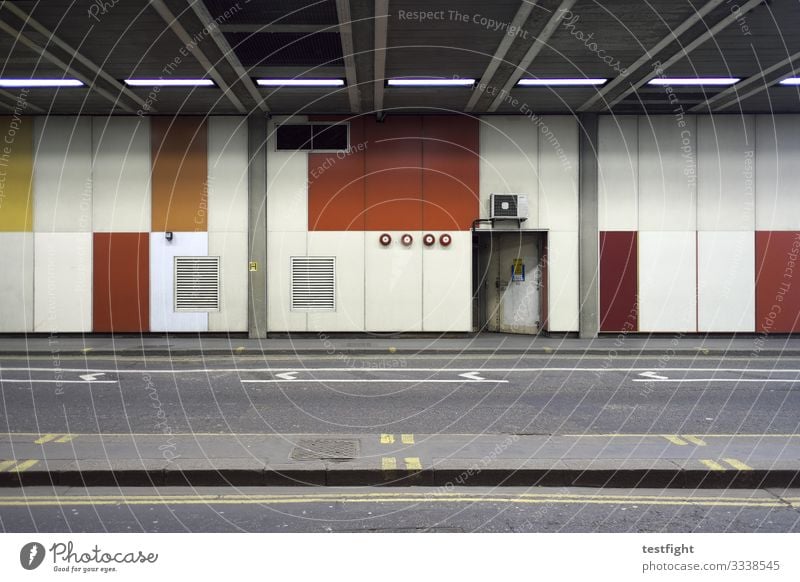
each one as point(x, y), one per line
point(16, 174)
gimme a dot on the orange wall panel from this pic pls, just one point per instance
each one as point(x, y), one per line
point(777, 292)
point(336, 184)
point(180, 174)
point(450, 189)
point(121, 272)
point(393, 173)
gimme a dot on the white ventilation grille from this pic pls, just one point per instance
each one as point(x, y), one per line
point(313, 284)
point(196, 283)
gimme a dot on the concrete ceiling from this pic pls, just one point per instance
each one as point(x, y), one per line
point(103, 43)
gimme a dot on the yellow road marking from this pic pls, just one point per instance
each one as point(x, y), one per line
point(674, 439)
point(694, 440)
point(66, 438)
point(380, 498)
point(388, 463)
point(44, 439)
point(407, 439)
point(23, 466)
point(413, 463)
point(6, 464)
point(713, 465)
point(387, 439)
point(458, 434)
point(86, 350)
point(738, 465)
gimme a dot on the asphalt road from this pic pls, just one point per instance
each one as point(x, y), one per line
point(446, 394)
point(387, 509)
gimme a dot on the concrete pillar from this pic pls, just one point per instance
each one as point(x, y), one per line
point(257, 224)
point(589, 251)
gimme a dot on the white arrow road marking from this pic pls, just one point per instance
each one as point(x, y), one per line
point(92, 377)
point(651, 376)
point(474, 376)
point(287, 376)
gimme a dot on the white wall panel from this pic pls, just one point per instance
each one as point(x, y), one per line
point(726, 172)
point(726, 281)
point(509, 161)
point(777, 172)
point(447, 284)
point(62, 283)
point(618, 172)
point(287, 186)
point(227, 174)
point(121, 174)
point(231, 248)
point(280, 247)
point(667, 281)
point(62, 174)
point(667, 173)
point(163, 316)
point(348, 248)
point(16, 282)
point(393, 283)
point(562, 281)
point(558, 172)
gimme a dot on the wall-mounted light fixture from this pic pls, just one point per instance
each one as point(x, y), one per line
point(168, 235)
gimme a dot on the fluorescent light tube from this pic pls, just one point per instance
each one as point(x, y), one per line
point(169, 82)
point(40, 83)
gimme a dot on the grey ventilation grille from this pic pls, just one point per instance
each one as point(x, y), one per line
point(196, 283)
point(505, 205)
point(313, 283)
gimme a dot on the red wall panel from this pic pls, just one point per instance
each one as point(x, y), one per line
point(394, 173)
point(336, 185)
point(777, 281)
point(121, 295)
point(619, 309)
point(450, 189)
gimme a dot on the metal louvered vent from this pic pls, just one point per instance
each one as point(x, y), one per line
point(196, 283)
point(513, 206)
point(313, 283)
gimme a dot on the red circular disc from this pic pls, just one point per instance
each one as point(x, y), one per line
point(428, 239)
point(407, 239)
point(445, 240)
point(386, 239)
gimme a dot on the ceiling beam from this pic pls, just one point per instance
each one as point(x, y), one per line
point(346, 36)
point(44, 53)
point(299, 28)
point(735, 91)
point(206, 19)
point(673, 35)
point(533, 52)
point(381, 32)
point(684, 52)
point(499, 55)
point(73, 53)
point(172, 21)
point(15, 99)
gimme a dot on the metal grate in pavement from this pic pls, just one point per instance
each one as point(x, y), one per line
point(325, 450)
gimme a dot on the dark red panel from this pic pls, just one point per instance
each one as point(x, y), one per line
point(121, 295)
point(394, 173)
point(336, 185)
point(619, 310)
point(777, 281)
point(450, 189)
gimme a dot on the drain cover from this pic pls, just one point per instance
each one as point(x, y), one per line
point(325, 450)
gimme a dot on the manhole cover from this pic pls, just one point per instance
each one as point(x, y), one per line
point(325, 450)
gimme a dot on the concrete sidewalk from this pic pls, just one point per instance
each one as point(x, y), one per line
point(326, 344)
point(668, 461)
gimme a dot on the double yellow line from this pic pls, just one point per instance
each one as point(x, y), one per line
point(403, 497)
point(56, 438)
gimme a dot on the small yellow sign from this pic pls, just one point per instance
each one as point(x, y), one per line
point(253, 266)
point(518, 270)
